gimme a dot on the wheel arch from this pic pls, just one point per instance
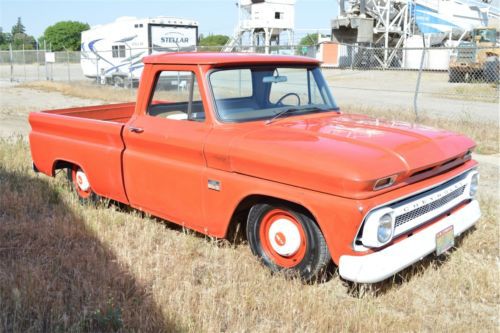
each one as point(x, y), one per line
point(62, 164)
point(239, 217)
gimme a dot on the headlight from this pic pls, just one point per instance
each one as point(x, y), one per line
point(378, 228)
point(384, 232)
point(474, 184)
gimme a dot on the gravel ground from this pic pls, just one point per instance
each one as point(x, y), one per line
point(17, 103)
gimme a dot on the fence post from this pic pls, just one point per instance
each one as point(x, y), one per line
point(24, 63)
point(96, 70)
point(11, 63)
point(418, 78)
point(45, 60)
point(37, 62)
point(67, 62)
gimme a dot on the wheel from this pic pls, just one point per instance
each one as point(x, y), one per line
point(81, 184)
point(280, 100)
point(491, 72)
point(287, 240)
point(118, 81)
point(455, 76)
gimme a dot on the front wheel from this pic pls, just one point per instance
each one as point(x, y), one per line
point(287, 240)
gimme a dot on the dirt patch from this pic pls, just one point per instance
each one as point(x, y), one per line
point(16, 103)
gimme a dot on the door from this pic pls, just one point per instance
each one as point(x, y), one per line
point(163, 160)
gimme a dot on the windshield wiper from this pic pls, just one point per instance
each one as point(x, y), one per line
point(290, 110)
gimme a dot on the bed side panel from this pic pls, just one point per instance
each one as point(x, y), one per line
point(96, 146)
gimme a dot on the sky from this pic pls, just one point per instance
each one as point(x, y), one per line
point(213, 16)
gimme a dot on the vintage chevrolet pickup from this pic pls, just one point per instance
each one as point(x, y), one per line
point(214, 136)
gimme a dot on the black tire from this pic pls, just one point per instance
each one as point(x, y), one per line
point(118, 81)
point(87, 196)
point(312, 258)
point(491, 71)
point(455, 76)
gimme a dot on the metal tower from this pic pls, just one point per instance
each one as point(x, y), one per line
point(389, 23)
point(262, 22)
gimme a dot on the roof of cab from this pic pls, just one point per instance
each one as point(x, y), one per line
point(221, 58)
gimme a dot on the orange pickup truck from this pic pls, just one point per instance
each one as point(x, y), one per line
point(216, 136)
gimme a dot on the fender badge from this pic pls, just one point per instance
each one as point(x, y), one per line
point(214, 185)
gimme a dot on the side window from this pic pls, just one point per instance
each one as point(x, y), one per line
point(176, 96)
point(118, 51)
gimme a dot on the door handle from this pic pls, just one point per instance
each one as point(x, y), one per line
point(135, 129)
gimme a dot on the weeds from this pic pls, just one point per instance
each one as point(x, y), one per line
point(67, 267)
point(481, 92)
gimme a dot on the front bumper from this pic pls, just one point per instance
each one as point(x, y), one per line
point(380, 265)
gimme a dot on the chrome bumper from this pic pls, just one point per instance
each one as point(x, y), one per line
point(382, 264)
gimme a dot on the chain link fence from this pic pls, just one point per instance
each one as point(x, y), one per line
point(437, 81)
point(460, 82)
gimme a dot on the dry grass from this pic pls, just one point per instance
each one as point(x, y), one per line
point(486, 135)
point(84, 89)
point(68, 267)
point(481, 92)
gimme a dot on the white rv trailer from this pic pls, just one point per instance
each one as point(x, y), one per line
point(113, 52)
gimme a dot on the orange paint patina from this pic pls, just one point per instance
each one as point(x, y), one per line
point(214, 137)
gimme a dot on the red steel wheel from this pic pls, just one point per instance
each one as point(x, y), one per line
point(287, 239)
point(282, 238)
point(81, 183)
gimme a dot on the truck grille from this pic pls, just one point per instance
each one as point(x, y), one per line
point(407, 217)
point(424, 207)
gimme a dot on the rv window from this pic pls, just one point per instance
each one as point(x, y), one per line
point(177, 97)
point(118, 51)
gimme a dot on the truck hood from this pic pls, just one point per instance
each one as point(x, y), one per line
point(344, 154)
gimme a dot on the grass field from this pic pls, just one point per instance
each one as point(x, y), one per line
point(67, 267)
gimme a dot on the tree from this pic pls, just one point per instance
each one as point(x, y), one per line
point(3, 36)
point(5, 39)
point(65, 34)
point(18, 28)
point(213, 40)
point(309, 40)
point(18, 38)
point(22, 40)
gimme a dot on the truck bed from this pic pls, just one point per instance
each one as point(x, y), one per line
point(119, 113)
point(90, 137)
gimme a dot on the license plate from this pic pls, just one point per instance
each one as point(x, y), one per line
point(445, 239)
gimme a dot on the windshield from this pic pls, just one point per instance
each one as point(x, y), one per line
point(257, 93)
point(487, 35)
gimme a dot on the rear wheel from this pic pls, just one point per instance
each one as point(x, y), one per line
point(287, 240)
point(455, 76)
point(491, 71)
point(81, 184)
